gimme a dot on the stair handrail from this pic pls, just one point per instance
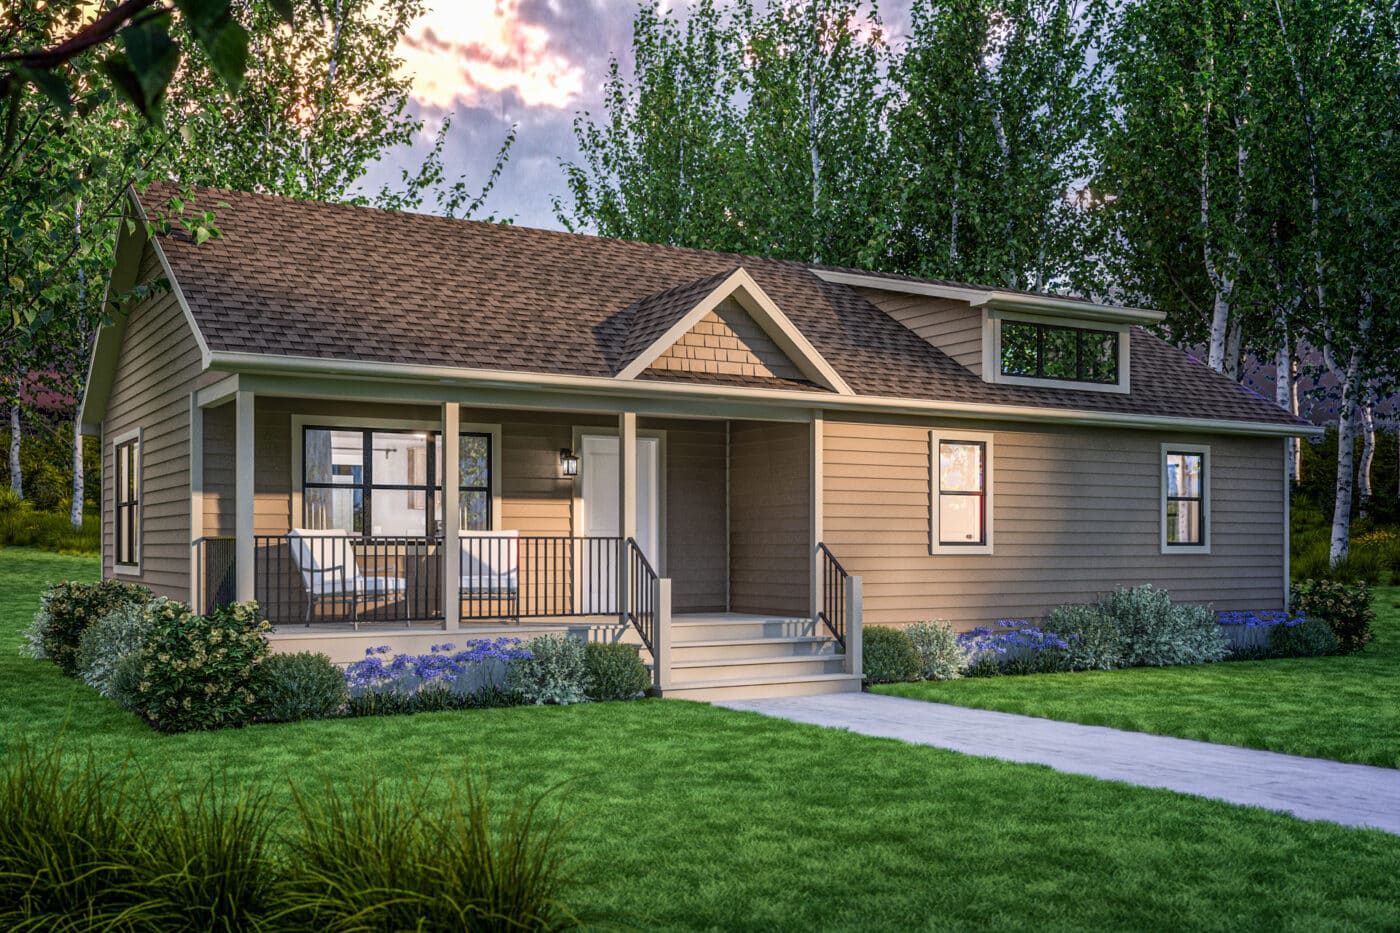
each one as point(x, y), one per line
point(832, 608)
point(644, 597)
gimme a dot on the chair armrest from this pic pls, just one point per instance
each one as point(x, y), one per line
point(305, 569)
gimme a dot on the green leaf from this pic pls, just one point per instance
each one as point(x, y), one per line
point(223, 39)
point(144, 70)
point(53, 84)
point(282, 8)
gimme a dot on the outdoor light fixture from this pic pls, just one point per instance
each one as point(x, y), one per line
point(568, 461)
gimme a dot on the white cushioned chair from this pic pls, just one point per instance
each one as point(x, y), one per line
point(490, 567)
point(326, 559)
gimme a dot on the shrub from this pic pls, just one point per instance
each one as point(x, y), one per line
point(1347, 609)
point(940, 658)
point(614, 671)
point(117, 635)
point(445, 678)
point(1092, 642)
point(66, 610)
point(1156, 633)
point(125, 684)
point(291, 687)
point(1012, 647)
point(197, 671)
point(554, 672)
point(888, 656)
point(1304, 638)
point(369, 858)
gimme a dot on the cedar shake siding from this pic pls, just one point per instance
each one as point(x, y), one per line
point(727, 341)
point(769, 518)
point(159, 366)
point(955, 327)
point(1076, 512)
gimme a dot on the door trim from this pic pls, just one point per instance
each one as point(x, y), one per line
point(576, 507)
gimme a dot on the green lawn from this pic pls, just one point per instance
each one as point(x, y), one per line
point(1344, 708)
point(684, 816)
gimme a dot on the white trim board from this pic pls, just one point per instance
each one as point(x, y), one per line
point(991, 353)
point(1207, 506)
point(130, 570)
point(935, 544)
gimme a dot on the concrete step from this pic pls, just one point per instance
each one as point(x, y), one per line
point(762, 687)
point(722, 629)
point(804, 645)
point(754, 668)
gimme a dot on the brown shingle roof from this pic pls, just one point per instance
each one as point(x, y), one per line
point(296, 278)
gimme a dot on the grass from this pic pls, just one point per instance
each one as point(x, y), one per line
point(23, 526)
point(684, 816)
point(1343, 708)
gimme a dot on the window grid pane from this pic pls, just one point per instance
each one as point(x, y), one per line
point(1066, 354)
point(1185, 498)
point(962, 476)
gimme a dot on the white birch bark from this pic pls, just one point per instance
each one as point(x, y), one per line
point(1346, 460)
point(1367, 413)
point(75, 510)
point(1286, 395)
point(16, 472)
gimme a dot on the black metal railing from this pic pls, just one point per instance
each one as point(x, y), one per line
point(644, 594)
point(347, 578)
point(833, 582)
point(534, 576)
point(215, 572)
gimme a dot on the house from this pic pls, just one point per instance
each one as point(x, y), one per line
point(732, 461)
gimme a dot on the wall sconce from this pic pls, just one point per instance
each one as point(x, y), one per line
point(568, 461)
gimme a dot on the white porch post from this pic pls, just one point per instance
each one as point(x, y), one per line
point(816, 440)
point(451, 517)
point(854, 664)
point(196, 498)
point(243, 524)
point(661, 657)
point(626, 502)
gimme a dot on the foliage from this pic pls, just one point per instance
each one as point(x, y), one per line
point(52, 531)
point(614, 671)
point(554, 672)
point(1347, 609)
point(1308, 638)
point(1155, 633)
point(292, 687)
point(1012, 647)
point(66, 610)
point(198, 671)
point(888, 655)
point(940, 658)
point(1090, 634)
point(118, 635)
point(377, 857)
point(434, 698)
point(479, 663)
point(45, 461)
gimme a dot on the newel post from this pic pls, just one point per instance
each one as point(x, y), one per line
point(661, 657)
point(853, 626)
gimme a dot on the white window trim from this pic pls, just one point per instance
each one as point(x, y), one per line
point(1207, 505)
point(129, 570)
point(300, 422)
point(991, 356)
point(935, 438)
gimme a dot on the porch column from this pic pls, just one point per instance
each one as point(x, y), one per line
point(855, 599)
point(243, 524)
point(626, 502)
point(816, 440)
point(451, 517)
point(196, 499)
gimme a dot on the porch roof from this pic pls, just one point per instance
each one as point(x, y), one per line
point(292, 278)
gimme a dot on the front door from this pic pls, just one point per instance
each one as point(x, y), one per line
point(598, 474)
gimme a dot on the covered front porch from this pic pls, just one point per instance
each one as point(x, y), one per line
point(616, 525)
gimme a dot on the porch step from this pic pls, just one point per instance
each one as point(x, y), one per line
point(721, 628)
point(804, 645)
point(752, 669)
point(749, 688)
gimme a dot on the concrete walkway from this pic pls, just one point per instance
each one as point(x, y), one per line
point(1308, 788)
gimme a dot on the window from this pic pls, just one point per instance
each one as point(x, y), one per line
point(127, 552)
point(961, 483)
point(1032, 350)
point(389, 483)
point(1185, 490)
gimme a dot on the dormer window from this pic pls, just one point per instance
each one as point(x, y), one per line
point(1041, 351)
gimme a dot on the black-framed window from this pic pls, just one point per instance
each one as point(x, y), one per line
point(962, 493)
point(1185, 498)
point(381, 482)
point(128, 502)
point(1052, 351)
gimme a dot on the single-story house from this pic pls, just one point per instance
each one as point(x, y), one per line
point(732, 461)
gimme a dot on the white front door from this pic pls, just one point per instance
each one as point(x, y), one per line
point(598, 475)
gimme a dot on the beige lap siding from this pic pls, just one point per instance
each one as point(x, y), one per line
point(769, 518)
point(1076, 512)
point(955, 327)
point(158, 368)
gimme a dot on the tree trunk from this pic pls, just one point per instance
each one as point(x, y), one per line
point(75, 514)
point(1233, 341)
point(1295, 443)
point(16, 472)
point(1368, 452)
point(1285, 394)
point(1346, 461)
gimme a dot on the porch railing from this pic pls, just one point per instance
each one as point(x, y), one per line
point(644, 595)
point(832, 610)
point(535, 576)
point(348, 578)
point(215, 576)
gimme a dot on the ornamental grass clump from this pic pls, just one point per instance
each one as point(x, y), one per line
point(197, 671)
point(888, 656)
point(940, 657)
point(66, 610)
point(556, 671)
point(1347, 609)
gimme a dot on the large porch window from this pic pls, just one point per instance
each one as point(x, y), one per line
point(380, 483)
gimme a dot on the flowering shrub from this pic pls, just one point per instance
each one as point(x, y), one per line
point(1012, 647)
point(553, 671)
point(118, 635)
point(614, 671)
point(66, 610)
point(292, 687)
point(1347, 609)
point(480, 662)
point(940, 658)
point(1156, 633)
point(197, 671)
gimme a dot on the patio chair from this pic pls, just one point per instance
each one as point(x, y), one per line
point(490, 567)
point(326, 559)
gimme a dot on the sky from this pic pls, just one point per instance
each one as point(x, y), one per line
point(532, 63)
